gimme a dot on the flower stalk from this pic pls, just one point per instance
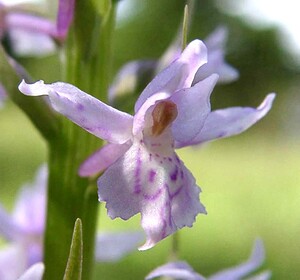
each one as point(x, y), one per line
point(88, 59)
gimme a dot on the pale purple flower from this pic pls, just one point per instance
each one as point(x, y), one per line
point(132, 74)
point(3, 95)
point(113, 246)
point(215, 43)
point(181, 270)
point(24, 230)
point(29, 34)
point(35, 35)
point(35, 272)
point(65, 16)
point(143, 173)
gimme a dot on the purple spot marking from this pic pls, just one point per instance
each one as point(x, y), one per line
point(150, 157)
point(137, 174)
point(181, 174)
point(177, 159)
point(155, 144)
point(152, 175)
point(157, 155)
point(154, 196)
point(174, 174)
point(170, 159)
point(80, 107)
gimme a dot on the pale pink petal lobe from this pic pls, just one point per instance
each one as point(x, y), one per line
point(193, 106)
point(231, 121)
point(102, 159)
point(176, 270)
point(240, 271)
point(179, 74)
point(113, 246)
point(85, 110)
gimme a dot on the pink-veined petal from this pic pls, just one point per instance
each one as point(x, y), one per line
point(228, 122)
point(102, 159)
point(193, 107)
point(35, 272)
point(113, 246)
point(240, 271)
point(85, 110)
point(151, 179)
point(176, 270)
point(178, 75)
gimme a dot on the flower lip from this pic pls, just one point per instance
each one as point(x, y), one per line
point(164, 113)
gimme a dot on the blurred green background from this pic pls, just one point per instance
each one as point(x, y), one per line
point(250, 183)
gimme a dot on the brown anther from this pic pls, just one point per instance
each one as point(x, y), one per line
point(163, 114)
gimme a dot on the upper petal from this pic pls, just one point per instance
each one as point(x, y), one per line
point(179, 74)
point(176, 270)
point(240, 271)
point(193, 106)
point(231, 121)
point(112, 246)
point(216, 64)
point(215, 44)
point(85, 110)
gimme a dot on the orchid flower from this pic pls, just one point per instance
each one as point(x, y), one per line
point(132, 74)
point(35, 35)
point(24, 230)
point(181, 270)
point(143, 174)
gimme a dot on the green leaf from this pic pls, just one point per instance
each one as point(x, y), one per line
point(74, 265)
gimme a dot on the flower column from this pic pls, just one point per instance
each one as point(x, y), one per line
point(87, 54)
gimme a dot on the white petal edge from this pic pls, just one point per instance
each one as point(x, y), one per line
point(177, 270)
point(35, 272)
point(113, 246)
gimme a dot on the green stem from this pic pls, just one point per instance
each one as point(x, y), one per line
point(88, 61)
